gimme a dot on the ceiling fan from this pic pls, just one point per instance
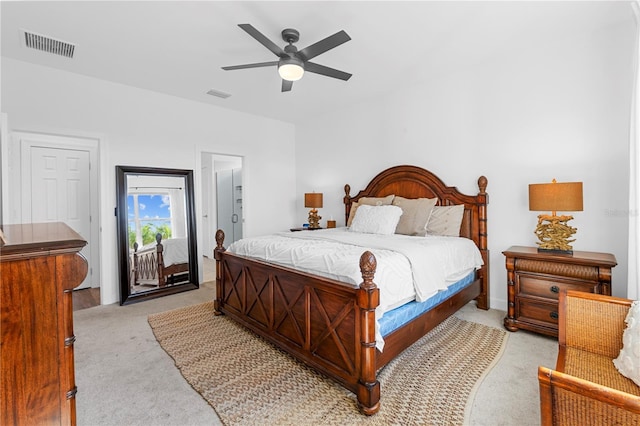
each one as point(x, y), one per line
point(293, 62)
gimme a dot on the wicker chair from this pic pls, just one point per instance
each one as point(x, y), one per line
point(586, 388)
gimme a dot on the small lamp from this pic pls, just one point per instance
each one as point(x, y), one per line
point(314, 201)
point(553, 231)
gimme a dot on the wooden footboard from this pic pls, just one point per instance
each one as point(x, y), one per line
point(326, 324)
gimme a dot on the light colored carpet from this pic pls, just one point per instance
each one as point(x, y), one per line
point(430, 383)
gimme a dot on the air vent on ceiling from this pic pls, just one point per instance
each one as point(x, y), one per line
point(219, 94)
point(47, 44)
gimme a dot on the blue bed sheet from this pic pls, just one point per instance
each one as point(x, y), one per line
point(403, 314)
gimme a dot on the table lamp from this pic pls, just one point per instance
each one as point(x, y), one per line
point(313, 200)
point(553, 231)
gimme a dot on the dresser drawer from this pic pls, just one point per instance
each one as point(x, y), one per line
point(534, 285)
point(533, 311)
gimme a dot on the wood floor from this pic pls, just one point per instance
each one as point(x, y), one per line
point(86, 298)
point(90, 297)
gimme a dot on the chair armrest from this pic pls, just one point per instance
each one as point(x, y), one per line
point(565, 399)
point(592, 322)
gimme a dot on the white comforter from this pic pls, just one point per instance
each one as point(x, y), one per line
point(174, 251)
point(408, 268)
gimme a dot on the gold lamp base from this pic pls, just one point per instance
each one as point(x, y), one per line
point(314, 219)
point(554, 234)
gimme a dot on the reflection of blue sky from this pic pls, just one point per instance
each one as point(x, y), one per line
point(150, 206)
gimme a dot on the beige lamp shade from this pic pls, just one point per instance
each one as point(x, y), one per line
point(555, 196)
point(313, 200)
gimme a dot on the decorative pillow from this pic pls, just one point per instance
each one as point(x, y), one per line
point(628, 361)
point(415, 214)
point(376, 219)
point(369, 201)
point(445, 220)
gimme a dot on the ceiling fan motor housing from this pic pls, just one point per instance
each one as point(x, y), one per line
point(290, 35)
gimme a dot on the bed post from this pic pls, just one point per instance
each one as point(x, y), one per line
point(135, 266)
point(347, 203)
point(368, 300)
point(160, 264)
point(217, 255)
point(483, 298)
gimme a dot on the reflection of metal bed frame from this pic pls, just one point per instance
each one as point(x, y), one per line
point(149, 268)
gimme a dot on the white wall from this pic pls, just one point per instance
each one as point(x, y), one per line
point(557, 110)
point(143, 128)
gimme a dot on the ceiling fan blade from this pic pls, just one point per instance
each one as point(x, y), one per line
point(329, 72)
point(286, 85)
point(277, 50)
point(322, 46)
point(256, 65)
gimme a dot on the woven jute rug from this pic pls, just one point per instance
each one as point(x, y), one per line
point(250, 382)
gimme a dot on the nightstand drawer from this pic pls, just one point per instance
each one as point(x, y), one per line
point(533, 311)
point(549, 289)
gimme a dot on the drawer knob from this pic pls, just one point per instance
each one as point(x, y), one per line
point(554, 315)
point(555, 289)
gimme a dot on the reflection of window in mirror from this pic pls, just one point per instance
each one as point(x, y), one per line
point(155, 204)
point(156, 212)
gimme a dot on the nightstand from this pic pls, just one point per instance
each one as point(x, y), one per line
point(535, 279)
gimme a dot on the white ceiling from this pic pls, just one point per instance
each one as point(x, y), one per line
point(178, 48)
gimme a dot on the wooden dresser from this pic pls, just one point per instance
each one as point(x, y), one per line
point(39, 267)
point(535, 279)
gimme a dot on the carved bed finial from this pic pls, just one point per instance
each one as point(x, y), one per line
point(482, 184)
point(347, 202)
point(158, 238)
point(219, 238)
point(368, 265)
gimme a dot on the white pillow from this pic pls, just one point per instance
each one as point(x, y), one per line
point(369, 201)
point(628, 362)
point(445, 220)
point(376, 219)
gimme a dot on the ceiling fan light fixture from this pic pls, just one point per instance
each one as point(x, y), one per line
point(291, 69)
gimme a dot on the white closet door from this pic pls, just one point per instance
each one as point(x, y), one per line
point(59, 191)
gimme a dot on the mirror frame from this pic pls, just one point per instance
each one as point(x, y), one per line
point(126, 297)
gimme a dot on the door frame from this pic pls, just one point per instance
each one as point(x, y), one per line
point(4, 173)
point(26, 141)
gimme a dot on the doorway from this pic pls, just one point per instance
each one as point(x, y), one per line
point(59, 184)
point(222, 199)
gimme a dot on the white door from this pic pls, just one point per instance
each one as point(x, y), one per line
point(58, 191)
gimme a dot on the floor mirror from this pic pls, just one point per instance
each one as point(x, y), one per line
point(156, 232)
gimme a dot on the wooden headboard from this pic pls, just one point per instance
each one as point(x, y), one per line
point(416, 182)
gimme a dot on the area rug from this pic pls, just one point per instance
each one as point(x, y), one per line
point(250, 382)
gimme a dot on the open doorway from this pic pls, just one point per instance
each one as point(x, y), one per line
point(222, 199)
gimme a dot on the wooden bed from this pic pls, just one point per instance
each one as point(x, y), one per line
point(149, 267)
point(330, 325)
